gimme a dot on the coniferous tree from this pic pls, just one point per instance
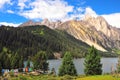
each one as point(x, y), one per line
point(21, 62)
point(40, 61)
point(92, 63)
point(15, 61)
point(67, 67)
point(2, 59)
point(28, 63)
point(5, 58)
point(7, 62)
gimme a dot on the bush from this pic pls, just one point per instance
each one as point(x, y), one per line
point(11, 74)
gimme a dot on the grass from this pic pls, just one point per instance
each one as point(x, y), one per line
point(66, 77)
point(42, 77)
point(99, 77)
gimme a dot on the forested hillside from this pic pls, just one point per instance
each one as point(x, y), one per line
point(27, 41)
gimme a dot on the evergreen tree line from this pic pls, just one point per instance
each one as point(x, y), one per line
point(92, 62)
point(10, 61)
point(15, 61)
point(27, 41)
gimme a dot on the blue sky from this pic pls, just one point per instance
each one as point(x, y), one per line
point(15, 12)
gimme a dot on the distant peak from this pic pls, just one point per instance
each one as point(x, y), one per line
point(45, 20)
point(101, 18)
point(28, 23)
point(88, 16)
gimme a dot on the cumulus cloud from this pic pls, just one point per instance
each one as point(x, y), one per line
point(90, 11)
point(9, 24)
point(51, 9)
point(113, 19)
point(21, 4)
point(77, 14)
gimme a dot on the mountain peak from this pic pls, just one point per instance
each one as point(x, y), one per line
point(88, 16)
point(28, 23)
point(99, 23)
point(45, 21)
point(93, 31)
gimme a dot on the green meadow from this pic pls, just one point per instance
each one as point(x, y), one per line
point(66, 77)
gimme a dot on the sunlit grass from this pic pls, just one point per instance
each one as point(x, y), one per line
point(43, 77)
point(66, 77)
point(100, 77)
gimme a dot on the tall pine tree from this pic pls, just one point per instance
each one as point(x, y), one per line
point(67, 67)
point(40, 61)
point(5, 58)
point(92, 63)
point(15, 61)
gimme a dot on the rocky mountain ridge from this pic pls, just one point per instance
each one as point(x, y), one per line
point(46, 22)
point(91, 30)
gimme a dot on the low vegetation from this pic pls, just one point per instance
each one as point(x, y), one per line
point(99, 77)
point(65, 77)
point(44, 77)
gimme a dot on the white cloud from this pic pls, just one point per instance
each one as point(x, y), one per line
point(3, 2)
point(90, 11)
point(51, 9)
point(10, 11)
point(60, 10)
point(113, 19)
point(77, 14)
point(9, 24)
point(21, 4)
point(80, 9)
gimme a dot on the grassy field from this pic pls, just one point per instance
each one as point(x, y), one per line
point(43, 77)
point(66, 77)
point(100, 77)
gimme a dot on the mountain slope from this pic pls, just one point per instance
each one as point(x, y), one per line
point(68, 42)
point(91, 30)
point(27, 41)
point(94, 31)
